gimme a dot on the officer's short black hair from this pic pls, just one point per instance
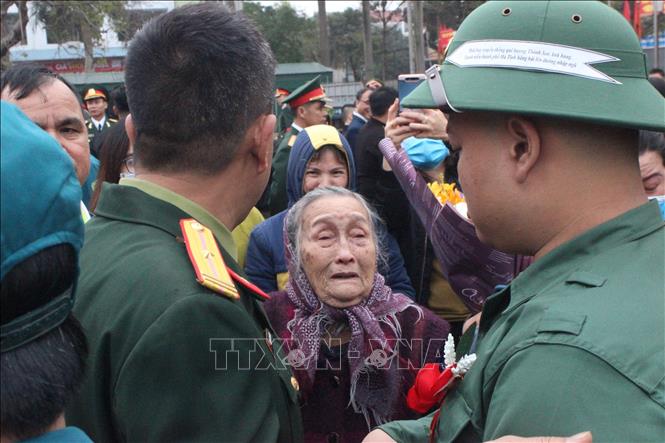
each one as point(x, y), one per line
point(119, 98)
point(360, 93)
point(23, 79)
point(197, 77)
point(658, 83)
point(381, 99)
point(652, 141)
point(40, 377)
point(657, 71)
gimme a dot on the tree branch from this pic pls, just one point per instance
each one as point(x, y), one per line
point(15, 35)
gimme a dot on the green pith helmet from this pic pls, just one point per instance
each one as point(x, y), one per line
point(568, 59)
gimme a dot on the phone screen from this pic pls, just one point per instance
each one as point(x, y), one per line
point(407, 83)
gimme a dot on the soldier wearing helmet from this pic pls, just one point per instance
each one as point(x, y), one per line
point(548, 166)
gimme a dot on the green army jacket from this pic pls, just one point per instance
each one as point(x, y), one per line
point(169, 359)
point(575, 343)
point(279, 199)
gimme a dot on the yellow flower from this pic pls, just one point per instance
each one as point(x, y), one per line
point(446, 192)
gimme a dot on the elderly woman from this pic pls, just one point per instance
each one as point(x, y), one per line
point(354, 344)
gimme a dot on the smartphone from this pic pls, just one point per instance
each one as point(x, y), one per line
point(407, 83)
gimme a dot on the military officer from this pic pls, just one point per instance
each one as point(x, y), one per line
point(96, 104)
point(180, 347)
point(548, 164)
point(308, 105)
point(283, 113)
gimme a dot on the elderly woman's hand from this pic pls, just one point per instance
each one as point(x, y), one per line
point(425, 123)
point(428, 123)
point(397, 127)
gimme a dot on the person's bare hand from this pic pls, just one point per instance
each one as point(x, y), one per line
point(378, 436)
point(583, 437)
point(428, 123)
point(397, 127)
point(474, 320)
point(373, 84)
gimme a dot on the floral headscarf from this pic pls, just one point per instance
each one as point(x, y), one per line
point(371, 352)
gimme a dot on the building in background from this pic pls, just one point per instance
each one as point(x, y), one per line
point(67, 58)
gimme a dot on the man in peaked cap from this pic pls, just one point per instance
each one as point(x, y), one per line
point(180, 347)
point(42, 346)
point(548, 164)
point(97, 103)
point(308, 105)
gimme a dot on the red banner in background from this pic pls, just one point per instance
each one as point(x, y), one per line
point(635, 10)
point(445, 35)
point(99, 65)
point(637, 22)
point(627, 8)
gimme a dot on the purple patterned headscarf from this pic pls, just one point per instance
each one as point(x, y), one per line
point(374, 331)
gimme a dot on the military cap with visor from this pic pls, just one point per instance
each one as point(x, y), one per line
point(93, 93)
point(578, 60)
point(311, 91)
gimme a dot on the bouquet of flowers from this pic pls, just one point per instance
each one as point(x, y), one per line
point(448, 193)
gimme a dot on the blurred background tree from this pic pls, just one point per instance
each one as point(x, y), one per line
point(82, 21)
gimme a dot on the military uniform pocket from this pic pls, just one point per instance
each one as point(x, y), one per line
point(455, 422)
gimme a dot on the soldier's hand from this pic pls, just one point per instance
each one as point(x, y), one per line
point(583, 437)
point(378, 436)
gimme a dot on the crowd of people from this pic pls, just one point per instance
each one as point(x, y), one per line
point(221, 263)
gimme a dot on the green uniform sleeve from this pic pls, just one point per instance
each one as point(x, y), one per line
point(559, 390)
point(407, 431)
point(185, 380)
point(279, 199)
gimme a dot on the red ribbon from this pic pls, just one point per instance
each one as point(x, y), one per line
point(430, 387)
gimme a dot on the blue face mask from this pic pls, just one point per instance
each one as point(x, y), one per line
point(425, 153)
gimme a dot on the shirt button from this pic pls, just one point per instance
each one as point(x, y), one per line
point(295, 384)
point(336, 381)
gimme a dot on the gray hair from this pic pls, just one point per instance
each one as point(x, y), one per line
point(294, 221)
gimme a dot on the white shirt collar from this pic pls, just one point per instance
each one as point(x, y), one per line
point(360, 116)
point(296, 127)
point(97, 122)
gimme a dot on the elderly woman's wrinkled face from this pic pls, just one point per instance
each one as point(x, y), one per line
point(338, 251)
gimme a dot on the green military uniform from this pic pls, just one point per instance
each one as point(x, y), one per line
point(569, 346)
point(278, 197)
point(576, 342)
point(307, 93)
point(170, 359)
point(93, 130)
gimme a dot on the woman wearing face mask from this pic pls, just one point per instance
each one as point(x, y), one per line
point(320, 157)
point(116, 159)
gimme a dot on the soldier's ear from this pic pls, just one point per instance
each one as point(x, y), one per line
point(525, 145)
point(263, 137)
point(130, 130)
